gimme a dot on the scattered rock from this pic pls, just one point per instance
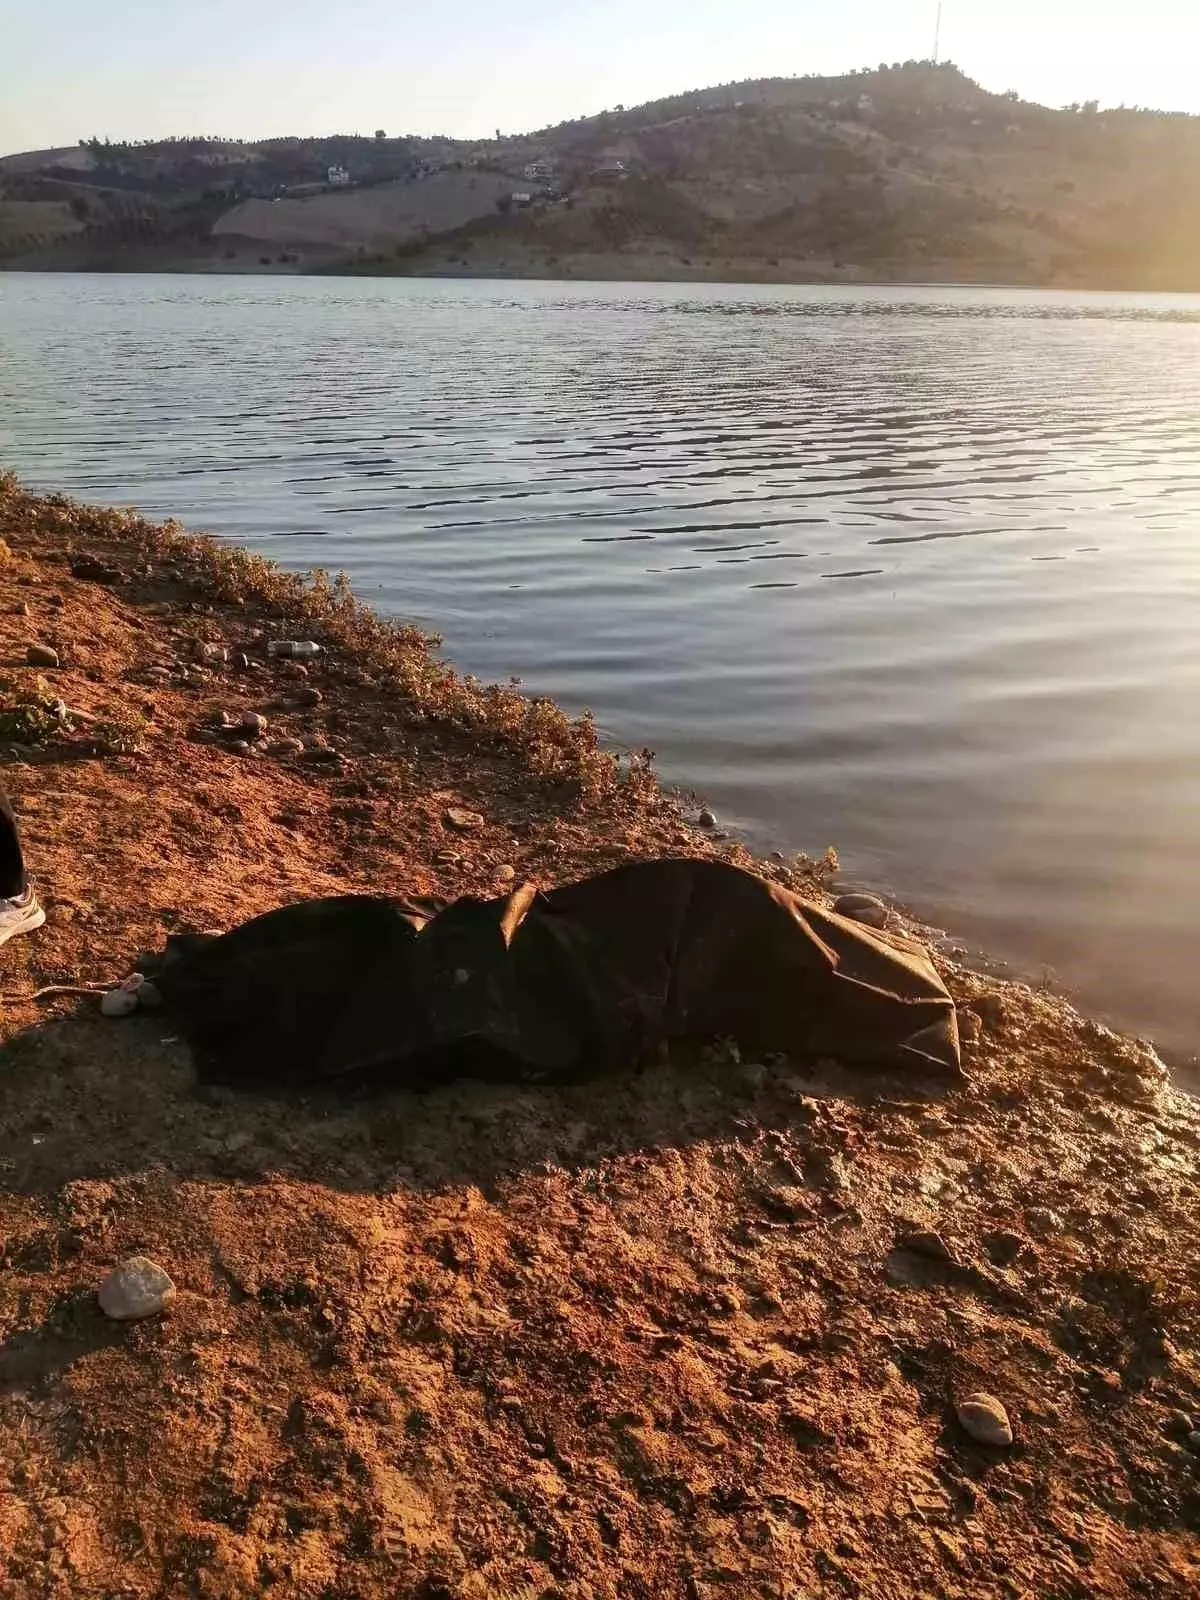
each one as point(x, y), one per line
point(989, 1008)
point(239, 747)
point(865, 908)
point(41, 655)
point(1193, 1442)
point(137, 1288)
point(287, 747)
point(506, 874)
point(308, 697)
point(986, 1420)
point(94, 571)
point(932, 1246)
point(252, 725)
point(462, 821)
point(970, 1026)
point(149, 997)
point(707, 819)
point(118, 1003)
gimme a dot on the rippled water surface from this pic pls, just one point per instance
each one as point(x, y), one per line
point(912, 571)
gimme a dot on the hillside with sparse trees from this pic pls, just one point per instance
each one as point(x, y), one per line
point(899, 173)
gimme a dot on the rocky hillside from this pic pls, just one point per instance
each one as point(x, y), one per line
point(905, 172)
point(707, 1329)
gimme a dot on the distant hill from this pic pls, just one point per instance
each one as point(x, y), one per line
point(905, 172)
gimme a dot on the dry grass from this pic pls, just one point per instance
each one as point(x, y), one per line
point(556, 748)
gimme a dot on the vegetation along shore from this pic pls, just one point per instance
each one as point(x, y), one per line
point(709, 1328)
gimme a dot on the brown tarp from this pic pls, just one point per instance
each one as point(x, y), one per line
point(551, 986)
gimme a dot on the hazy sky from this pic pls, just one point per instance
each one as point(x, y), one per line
point(249, 68)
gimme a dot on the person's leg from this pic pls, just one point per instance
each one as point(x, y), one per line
point(13, 881)
point(19, 908)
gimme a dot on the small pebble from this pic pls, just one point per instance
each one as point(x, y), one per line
point(118, 1003)
point(287, 747)
point(41, 655)
point(137, 1288)
point(707, 819)
point(253, 725)
point(239, 747)
point(986, 1420)
point(506, 874)
point(865, 908)
point(308, 697)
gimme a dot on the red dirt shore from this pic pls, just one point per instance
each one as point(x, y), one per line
point(666, 1334)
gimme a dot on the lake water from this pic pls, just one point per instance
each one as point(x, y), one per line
point(912, 571)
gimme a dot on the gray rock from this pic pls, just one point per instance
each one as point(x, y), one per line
point(252, 725)
point(1193, 1443)
point(137, 1288)
point(865, 908)
point(986, 1420)
point(707, 819)
point(41, 655)
point(462, 821)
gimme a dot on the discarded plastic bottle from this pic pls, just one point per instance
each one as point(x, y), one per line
point(295, 649)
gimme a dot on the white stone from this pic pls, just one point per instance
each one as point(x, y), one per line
point(137, 1288)
point(986, 1420)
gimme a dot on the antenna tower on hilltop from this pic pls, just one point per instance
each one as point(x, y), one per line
point(937, 34)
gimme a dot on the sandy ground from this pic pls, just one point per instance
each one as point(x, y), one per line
point(669, 1334)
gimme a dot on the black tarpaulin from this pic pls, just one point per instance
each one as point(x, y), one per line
point(551, 986)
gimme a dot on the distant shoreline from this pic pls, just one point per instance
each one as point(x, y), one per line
point(624, 272)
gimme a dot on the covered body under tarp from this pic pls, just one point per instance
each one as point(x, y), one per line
point(549, 987)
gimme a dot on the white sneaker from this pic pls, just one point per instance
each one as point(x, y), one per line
point(21, 915)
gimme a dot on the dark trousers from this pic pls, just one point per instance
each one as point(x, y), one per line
point(12, 864)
